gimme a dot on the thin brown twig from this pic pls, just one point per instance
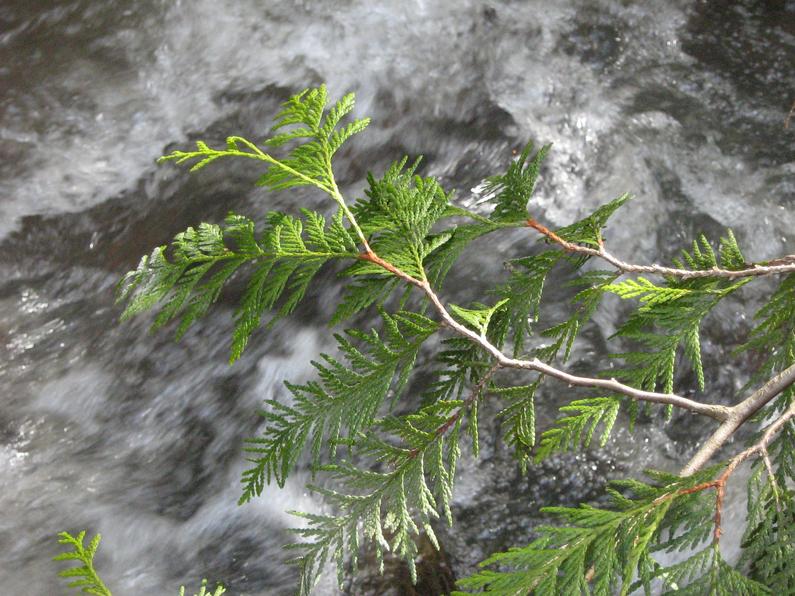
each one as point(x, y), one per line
point(785, 264)
point(370, 256)
point(719, 483)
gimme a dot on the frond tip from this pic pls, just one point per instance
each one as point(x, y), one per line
point(512, 190)
point(309, 162)
point(84, 577)
point(320, 136)
point(577, 428)
point(186, 278)
point(219, 590)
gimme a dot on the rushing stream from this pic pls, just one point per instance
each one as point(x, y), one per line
point(106, 427)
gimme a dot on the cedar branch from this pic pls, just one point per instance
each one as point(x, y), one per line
point(738, 415)
point(717, 412)
point(719, 483)
point(785, 264)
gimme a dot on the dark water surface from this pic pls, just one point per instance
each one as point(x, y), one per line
point(105, 427)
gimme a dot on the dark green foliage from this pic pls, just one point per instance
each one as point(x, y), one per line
point(310, 160)
point(774, 337)
point(588, 231)
point(464, 368)
point(769, 540)
point(670, 316)
point(576, 430)
point(782, 455)
point(346, 399)
point(585, 303)
point(523, 292)
point(512, 190)
point(450, 244)
point(83, 577)
point(706, 573)
point(294, 253)
point(413, 485)
point(363, 292)
point(418, 455)
point(397, 216)
point(519, 420)
point(463, 364)
point(188, 276)
point(194, 252)
point(400, 210)
point(599, 551)
point(390, 476)
point(689, 522)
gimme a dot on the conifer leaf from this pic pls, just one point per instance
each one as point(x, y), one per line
point(463, 364)
point(588, 231)
point(774, 338)
point(512, 190)
point(646, 291)
point(310, 162)
point(219, 590)
point(390, 507)
point(84, 577)
point(519, 418)
point(445, 248)
point(707, 573)
point(576, 430)
point(608, 545)
point(585, 303)
point(188, 276)
point(399, 212)
point(346, 399)
point(524, 288)
point(478, 318)
point(769, 540)
point(363, 292)
point(731, 257)
point(669, 317)
point(523, 294)
point(305, 119)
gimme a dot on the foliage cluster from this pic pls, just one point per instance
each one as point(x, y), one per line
point(389, 475)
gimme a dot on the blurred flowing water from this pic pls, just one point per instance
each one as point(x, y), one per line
point(106, 427)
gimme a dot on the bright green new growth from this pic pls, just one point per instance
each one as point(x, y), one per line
point(219, 590)
point(390, 471)
point(87, 580)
